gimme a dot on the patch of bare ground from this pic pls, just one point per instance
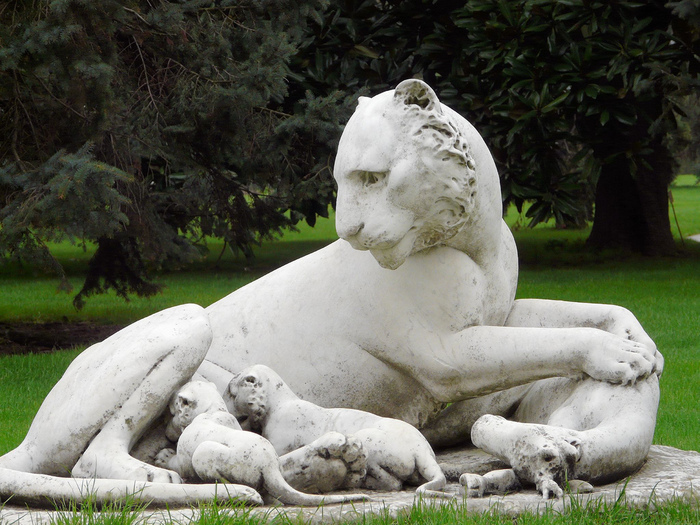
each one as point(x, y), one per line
point(20, 338)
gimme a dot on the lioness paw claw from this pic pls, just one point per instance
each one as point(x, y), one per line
point(549, 489)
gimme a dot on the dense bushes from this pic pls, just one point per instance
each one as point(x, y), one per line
point(576, 98)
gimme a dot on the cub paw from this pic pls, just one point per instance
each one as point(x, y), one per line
point(473, 485)
point(348, 449)
point(163, 457)
point(330, 445)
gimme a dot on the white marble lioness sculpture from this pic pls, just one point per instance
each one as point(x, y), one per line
point(434, 322)
point(397, 453)
point(212, 447)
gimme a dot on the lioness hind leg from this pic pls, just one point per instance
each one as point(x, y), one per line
point(624, 417)
point(147, 360)
point(159, 359)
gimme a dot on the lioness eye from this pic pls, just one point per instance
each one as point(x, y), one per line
point(369, 178)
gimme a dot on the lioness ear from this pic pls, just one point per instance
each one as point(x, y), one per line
point(416, 92)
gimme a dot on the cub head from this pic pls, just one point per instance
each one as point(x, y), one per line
point(247, 395)
point(193, 399)
point(406, 177)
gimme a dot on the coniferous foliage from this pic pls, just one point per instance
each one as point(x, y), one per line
point(146, 126)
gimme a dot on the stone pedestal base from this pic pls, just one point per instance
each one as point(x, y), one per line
point(668, 474)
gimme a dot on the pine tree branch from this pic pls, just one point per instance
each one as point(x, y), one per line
point(138, 16)
point(145, 73)
point(55, 98)
point(200, 77)
point(15, 134)
point(274, 112)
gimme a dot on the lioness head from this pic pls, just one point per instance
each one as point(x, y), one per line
point(193, 399)
point(406, 178)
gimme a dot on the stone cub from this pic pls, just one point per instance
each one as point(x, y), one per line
point(397, 452)
point(212, 447)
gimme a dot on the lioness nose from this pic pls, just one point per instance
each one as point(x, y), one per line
point(346, 231)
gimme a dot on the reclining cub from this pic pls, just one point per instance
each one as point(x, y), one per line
point(212, 447)
point(397, 453)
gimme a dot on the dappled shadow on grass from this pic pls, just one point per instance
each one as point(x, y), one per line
point(268, 257)
point(217, 258)
point(562, 252)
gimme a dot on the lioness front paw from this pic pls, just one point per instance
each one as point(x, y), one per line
point(618, 360)
point(546, 461)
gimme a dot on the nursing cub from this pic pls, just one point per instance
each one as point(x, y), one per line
point(397, 453)
point(212, 447)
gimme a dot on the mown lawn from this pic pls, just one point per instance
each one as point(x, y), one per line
point(28, 294)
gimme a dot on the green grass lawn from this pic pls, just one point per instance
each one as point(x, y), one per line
point(28, 294)
point(424, 513)
point(664, 293)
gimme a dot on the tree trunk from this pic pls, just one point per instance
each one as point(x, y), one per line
point(631, 212)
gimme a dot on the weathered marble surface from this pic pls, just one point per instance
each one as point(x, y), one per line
point(413, 309)
point(668, 473)
point(212, 447)
point(394, 451)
